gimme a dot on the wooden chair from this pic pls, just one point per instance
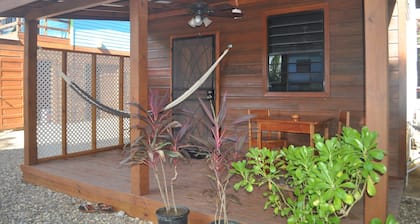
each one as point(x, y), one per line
point(271, 140)
point(343, 120)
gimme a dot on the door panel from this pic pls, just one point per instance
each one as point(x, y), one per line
point(191, 57)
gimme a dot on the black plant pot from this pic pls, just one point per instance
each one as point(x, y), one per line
point(223, 222)
point(171, 218)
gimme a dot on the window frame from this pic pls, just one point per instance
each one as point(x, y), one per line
point(326, 92)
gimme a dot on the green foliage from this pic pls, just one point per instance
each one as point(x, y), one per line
point(390, 219)
point(315, 185)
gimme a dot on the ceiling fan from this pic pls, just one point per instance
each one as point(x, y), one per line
point(201, 11)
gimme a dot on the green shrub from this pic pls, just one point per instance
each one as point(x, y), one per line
point(317, 184)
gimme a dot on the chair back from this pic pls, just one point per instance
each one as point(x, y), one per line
point(343, 120)
point(270, 139)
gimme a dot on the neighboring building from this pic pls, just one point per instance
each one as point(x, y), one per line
point(83, 33)
point(79, 35)
point(90, 33)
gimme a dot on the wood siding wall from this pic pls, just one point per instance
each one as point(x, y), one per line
point(11, 85)
point(242, 70)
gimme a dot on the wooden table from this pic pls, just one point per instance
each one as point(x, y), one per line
point(305, 125)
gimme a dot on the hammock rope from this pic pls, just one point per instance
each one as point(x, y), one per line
point(85, 96)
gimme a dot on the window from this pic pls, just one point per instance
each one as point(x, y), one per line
point(296, 52)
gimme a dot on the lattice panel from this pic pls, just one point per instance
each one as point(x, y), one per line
point(107, 92)
point(79, 112)
point(48, 108)
point(126, 99)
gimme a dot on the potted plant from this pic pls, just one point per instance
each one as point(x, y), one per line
point(223, 147)
point(315, 185)
point(160, 146)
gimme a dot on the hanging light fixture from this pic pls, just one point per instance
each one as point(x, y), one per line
point(198, 20)
point(207, 21)
point(200, 12)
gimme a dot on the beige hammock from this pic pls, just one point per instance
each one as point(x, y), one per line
point(121, 113)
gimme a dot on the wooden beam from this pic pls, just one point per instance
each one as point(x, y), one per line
point(65, 7)
point(93, 107)
point(138, 83)
point(403, 17)
point(30, 89)
point(12, 4)
point(121, 99)
point(243, 2)
point(377, 94)
point(64, 63)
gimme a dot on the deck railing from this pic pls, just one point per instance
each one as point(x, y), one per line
point(67, 125)
point(11, 26)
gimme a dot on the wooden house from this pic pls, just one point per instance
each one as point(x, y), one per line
point(352, 61)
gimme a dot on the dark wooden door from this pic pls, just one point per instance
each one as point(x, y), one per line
point(191, 57)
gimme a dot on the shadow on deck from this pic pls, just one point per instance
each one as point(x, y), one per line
point(100, 178)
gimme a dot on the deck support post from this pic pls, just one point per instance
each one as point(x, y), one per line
point(29, 91)
point(377, 94)
point(138, 83)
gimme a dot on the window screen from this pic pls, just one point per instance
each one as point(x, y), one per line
point(296, 52)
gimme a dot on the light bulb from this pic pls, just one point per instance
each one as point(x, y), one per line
point(198, 20)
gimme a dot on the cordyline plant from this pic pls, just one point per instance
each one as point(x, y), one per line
point(223, 147)
point(159, 145)
point(315, 185)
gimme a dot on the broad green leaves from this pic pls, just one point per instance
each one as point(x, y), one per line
point(326, 181)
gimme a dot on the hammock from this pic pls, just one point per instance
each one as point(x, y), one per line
point(125, 114)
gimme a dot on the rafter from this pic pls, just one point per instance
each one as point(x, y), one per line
point(65, 7)
point(11, 4)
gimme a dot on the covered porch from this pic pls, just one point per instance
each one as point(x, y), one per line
point(100, 178)
point(359, 80)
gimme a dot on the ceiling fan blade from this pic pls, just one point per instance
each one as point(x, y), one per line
point(164, 2)
point(234, 13)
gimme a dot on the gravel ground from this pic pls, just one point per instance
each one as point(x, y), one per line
point(25, 203)
point(409, 210)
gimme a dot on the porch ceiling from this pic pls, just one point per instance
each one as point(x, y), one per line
point(101, 9)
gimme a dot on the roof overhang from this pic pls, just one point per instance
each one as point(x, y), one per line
point(100, 9)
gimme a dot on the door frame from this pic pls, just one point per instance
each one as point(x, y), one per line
point(216, 36)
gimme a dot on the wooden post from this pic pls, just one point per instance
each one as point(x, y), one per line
point(138, 83)
point(376, 88)
point(64, 62)
point(121, 99)
point(29, 83)
point(93, 107)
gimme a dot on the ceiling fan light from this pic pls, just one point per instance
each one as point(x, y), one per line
point(191, 22)
point(198, 20)
point(207, 21)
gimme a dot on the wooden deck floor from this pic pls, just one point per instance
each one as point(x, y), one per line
point(100, 178)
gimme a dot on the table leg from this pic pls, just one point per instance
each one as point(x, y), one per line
point(326, 132)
